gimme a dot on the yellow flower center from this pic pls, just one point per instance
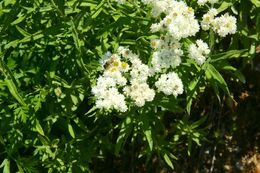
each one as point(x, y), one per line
point(124, 65)
point(115, 63)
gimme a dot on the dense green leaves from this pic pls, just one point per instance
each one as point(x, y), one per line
point(49, 59)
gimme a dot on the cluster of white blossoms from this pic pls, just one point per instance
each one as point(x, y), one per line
point(106, 90)
point(138, 90)
point(179, 21)
point(208, 18)
point(223, 25)
point(170, 84)
point(167, 53)
point(126, 79)
point(203, 2)
point(198, 51)
point(112, 87)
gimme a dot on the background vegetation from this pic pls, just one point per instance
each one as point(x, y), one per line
point(49, 52)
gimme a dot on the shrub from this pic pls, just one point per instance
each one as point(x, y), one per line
point(86, 81)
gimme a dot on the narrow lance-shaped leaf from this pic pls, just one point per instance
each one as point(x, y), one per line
point(126, 127)
point(71, 131)
point(168, 160)
point(13, 90)
point(218, 78)
point(39, 128)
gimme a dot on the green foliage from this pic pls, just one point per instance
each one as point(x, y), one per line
point(49, 52)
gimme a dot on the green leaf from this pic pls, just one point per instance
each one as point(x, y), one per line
point(20, 19)
point(168, 160)
point(74, 99)
point(240, 76)
point(230, 55)
point(2, 140)
point(71, 131)
point(214, 74)
point(256, 3)
point(6, 165)
point(192, 88)
point(224, 6)
point(13, 90)
point(169, 103)
point(125, 130)
point(39, 128)
point(22, 31)
point(189, 146)
point(7, 2)
point(148, 135)
point(199, 122)
point(98, 9)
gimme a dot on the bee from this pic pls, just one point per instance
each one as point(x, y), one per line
point(112, 62)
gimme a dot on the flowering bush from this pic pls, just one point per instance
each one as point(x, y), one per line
point(175, 25)
point(93, 82)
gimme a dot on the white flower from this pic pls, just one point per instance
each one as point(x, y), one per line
point(159, 7)
point(203, 2)
point(155, 27)
point(116, 76)
point(179, 20)
point(199, 51)
point(139, 92)
point(112, 99)
point(107, 95)
point(168, 53)
point(170, 84)
point(224, 25)
point(157, 44)
point(208, 18)
point(213, 1)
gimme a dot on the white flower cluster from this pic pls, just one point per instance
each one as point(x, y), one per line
point(112, 87)
point(107, 95)
point(199, 51)
point(167, 53)
point(223, 25)
point(138, 90)
point(125, 78)
point(170, 84)
point(179, 21)
point(203, 2)
point(208, 18)
point(106, 89)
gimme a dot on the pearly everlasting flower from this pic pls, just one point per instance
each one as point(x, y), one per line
point(208, 18)
point(167, 53)
point(179, 21)
point(112, 86)
point(213, 1)
point(203, 2)
point(199, 51)
point(116, 76)
point(224, 25)
point(139, 92)
point(107, 95)
point(112, 99)
point(170, 84)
